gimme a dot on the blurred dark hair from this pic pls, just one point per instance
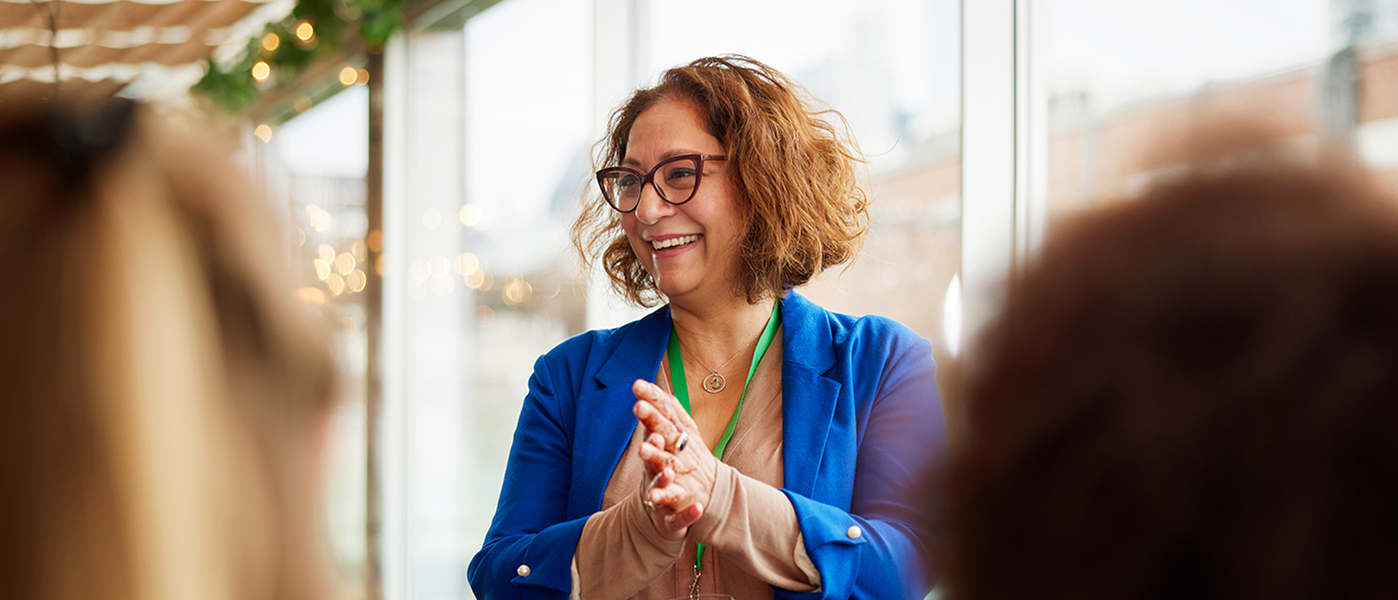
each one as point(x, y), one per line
point(1192, 394)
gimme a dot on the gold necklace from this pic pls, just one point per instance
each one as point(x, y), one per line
point(714, 382)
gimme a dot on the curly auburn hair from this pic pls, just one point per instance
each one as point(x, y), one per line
point(794, 172)
point(1191, 395)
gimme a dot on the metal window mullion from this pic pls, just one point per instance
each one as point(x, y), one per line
point(989, 128)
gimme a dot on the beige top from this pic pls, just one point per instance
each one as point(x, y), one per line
point(749, 527)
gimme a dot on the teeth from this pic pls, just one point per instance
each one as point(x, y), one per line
point(672, 242)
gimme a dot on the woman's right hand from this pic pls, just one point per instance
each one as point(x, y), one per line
point(674, 499)
point(671, 515)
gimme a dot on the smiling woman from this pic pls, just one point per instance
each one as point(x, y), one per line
point(723, 189)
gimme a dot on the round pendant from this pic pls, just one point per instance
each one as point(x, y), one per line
point(714, 383)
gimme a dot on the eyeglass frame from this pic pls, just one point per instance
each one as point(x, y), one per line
point(650, 178)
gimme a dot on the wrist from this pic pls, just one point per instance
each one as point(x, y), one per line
point(722, 486)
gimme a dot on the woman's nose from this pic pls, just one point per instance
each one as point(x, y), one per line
point(650, 207)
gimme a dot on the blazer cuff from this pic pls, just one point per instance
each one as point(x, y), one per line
point(833, 540)
point(548, 561)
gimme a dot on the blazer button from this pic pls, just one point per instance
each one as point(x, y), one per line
point(523, 570)
point(854, 532)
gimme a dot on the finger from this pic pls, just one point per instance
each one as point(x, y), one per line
point(655, 420)
point(673, 494)
point(667, 404)
point(654, 459)
point(675, 412)
point(663, 479)
point(687, 516)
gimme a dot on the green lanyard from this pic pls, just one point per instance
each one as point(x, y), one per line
point(681, 390)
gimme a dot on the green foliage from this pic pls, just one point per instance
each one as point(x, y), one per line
point(372, 21)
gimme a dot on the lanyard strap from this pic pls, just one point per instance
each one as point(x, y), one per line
point(681, 389)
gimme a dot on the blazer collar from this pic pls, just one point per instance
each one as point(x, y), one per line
point(809, 398)
point(639, 351)
point(806, 340)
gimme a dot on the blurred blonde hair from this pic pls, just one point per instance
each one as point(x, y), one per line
point(159, 436)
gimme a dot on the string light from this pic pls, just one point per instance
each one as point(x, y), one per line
point(344, 263)
point(440, 266)
point(336, 284)
point(261, 70)
point(420, 270)
point(470, 215)
point(516, 291)
point(270, 42)
point(348, 76)
point(326, 252)
point(263, 132)
point(305, 32)
point(362, 76)
point(311, 295)
point(467, 263)
point(322, 269)
point(357, 280)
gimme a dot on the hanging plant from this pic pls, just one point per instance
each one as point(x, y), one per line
point(314, 29)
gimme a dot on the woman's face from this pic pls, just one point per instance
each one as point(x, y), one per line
point(703, 264)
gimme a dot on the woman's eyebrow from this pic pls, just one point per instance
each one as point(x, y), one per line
point(669, 154)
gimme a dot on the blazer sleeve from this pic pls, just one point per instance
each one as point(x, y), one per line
point(528, 551)
point(877, 549)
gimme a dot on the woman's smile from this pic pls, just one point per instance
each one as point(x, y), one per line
point(689, 248)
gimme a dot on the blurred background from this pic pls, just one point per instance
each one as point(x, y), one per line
point(429, 155)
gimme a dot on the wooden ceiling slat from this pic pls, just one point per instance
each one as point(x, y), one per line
point(33, 55)
point(73, 89)
point(109, 26)
point(124, 15)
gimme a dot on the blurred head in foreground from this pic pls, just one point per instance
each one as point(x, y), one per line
point(1192, 394)
point(162, 391)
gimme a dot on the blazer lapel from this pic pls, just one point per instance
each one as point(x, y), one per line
point(809, 398)
point(604, 420)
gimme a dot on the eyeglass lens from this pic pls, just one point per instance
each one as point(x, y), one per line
point(675, 180)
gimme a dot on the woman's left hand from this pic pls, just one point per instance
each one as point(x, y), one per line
point(674, 449)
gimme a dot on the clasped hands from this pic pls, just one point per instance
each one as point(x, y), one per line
point(680, 470)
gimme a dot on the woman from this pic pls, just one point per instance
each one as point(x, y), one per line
point(723, 191)
point(164, 392)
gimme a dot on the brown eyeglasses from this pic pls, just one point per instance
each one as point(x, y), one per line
point(678, 181)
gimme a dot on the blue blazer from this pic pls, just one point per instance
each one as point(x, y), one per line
point(862, 422)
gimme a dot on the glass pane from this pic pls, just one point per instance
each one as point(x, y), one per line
point(315, 165)
point(1122, 81)
point(892, 68)
point(497, 134)
point(526, 162)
